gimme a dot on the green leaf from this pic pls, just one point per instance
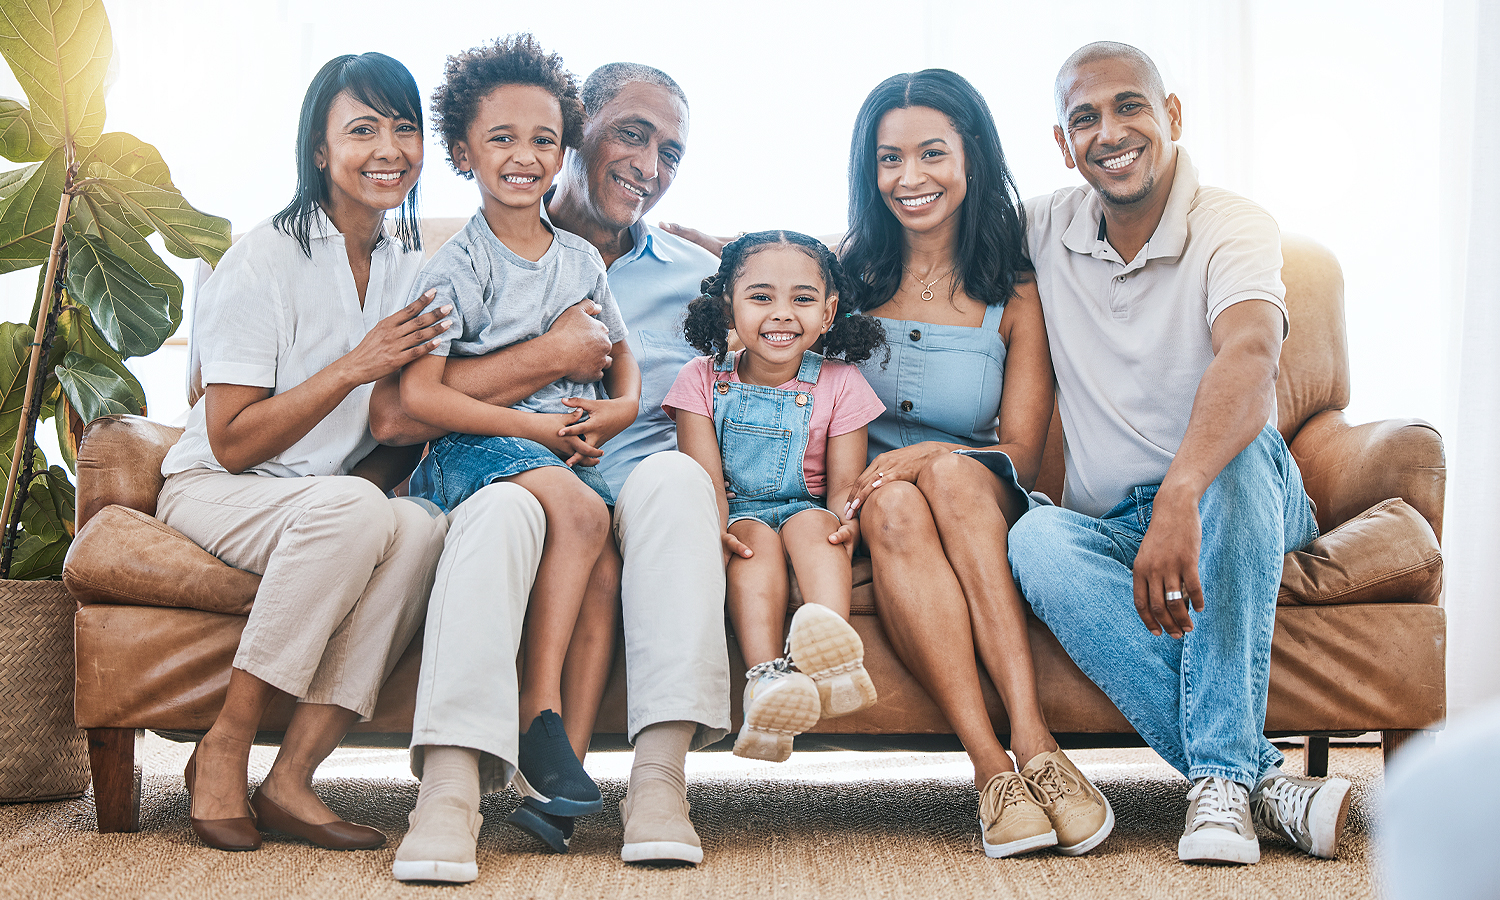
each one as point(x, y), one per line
point(131, 157)
point(28, 212)
point(37, 558)
point(94, 389)
point(64, 437)
point(133, 314)
point(186, 231)
point(19, 141)
point(59, 51)
point(95, 215)
point(15, 357)
point(76, 334)
point(48, 512)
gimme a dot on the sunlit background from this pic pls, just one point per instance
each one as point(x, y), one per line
point(1298, 104)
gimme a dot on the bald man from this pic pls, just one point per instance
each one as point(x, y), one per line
point(1165, 313)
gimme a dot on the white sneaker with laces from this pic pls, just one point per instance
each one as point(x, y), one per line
point(1218, 824)
point(779, 705)
point(1309, 812)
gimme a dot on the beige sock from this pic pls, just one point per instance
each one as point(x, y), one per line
point(451, 772)
point(661, 755)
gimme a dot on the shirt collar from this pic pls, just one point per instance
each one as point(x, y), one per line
point(1086, 231)
point(644, 240)
point(322, 229)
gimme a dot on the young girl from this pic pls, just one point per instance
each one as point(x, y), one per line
point(786, 427)
point(506, 112)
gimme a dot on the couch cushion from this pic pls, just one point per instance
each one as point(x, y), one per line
point(1386, 554)
point(125, 556)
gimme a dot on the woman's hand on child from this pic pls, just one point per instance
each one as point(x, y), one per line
point(901, 464)
point(396, 340)
point(606, 418)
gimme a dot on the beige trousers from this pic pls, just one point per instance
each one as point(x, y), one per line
point(666, 521)
point(344, 571)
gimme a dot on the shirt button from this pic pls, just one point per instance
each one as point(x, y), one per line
point(906, 406)
point(1121, 279)
point(915, 335)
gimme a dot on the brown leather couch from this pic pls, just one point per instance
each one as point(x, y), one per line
point(1359, 642)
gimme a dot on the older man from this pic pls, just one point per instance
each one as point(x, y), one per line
point(666, 522)
point(1165, 313)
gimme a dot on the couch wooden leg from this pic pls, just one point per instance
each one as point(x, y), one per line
point(1316, 752)
point(1395, 739)
point(116, 769)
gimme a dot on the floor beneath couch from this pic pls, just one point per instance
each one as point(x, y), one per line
point(824, 825)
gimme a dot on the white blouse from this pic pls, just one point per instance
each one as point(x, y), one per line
point(271, 317)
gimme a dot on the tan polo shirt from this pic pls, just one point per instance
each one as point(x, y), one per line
point(1130, 342)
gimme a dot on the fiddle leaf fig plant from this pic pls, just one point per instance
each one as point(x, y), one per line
point(81, 210)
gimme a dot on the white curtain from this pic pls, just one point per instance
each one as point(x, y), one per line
point(1469, 279)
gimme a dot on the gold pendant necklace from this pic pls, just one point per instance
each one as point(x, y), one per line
point(927, 285)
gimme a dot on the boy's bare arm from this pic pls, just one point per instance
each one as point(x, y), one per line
point(576, 347)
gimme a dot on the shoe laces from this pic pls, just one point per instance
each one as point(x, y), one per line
point(774, 668)
point(1283, 806)
point(1012, 788)
point(1221, 803)
point(1055, 781)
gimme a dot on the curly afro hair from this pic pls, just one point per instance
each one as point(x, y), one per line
point(853, 338)
point(469, 76)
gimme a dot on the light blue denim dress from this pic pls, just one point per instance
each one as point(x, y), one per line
point(943, 383)
point(459, 464)
point(763, 434)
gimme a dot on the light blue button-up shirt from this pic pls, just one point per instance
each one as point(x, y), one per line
point(653, 285)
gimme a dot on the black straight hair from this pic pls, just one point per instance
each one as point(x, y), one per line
point(377, 81)
point(992, 226)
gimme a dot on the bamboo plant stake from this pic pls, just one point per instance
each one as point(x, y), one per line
point(45, 307)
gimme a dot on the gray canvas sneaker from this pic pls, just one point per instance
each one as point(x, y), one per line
point(1218, 824)
point(1309, 812)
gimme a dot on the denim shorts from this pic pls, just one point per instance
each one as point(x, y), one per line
point(458, 465)
point(772, 512)
point(999, 463)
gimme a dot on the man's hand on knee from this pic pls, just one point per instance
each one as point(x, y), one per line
point(1166, 568)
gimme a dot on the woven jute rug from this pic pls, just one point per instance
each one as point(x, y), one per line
point(823, 825)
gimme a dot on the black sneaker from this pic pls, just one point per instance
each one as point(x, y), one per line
point(549, 776)
point(554, 831)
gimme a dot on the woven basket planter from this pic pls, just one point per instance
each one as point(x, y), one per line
point(43, 754)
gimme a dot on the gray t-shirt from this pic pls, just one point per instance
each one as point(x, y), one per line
point(500, 298)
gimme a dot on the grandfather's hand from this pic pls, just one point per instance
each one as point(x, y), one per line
point(581, 342)
point(1168, 564)
point(712, 244)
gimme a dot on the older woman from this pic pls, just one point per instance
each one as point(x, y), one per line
point(302, 315)
point(935, 240)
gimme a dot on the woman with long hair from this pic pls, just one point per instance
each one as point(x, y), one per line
point(936, 245)
point(302, 315)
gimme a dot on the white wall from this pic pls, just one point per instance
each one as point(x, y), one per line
point(1299, 105)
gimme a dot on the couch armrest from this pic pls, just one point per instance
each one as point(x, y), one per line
point(119, 461)
point(125, 556)
point(1349, 468)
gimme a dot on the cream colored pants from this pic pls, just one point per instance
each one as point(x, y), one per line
point(344, 574)
point(666, 521)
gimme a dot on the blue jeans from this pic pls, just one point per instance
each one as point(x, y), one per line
point(458, 465)
point(1200, 702)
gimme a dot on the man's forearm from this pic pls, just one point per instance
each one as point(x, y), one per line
point(1234, 401)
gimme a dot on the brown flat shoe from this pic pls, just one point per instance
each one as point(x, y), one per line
point(338, 835)
point(234, 834)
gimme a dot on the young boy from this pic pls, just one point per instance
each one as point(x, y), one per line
point(506, 112)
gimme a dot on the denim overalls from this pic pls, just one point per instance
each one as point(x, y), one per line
point(763, 435)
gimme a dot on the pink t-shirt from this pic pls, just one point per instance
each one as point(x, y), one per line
point(842, 402)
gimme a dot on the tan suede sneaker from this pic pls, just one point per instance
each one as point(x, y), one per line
point(1080, 813)
point(657, 827)
point(1011, 817)
point(441, 843)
